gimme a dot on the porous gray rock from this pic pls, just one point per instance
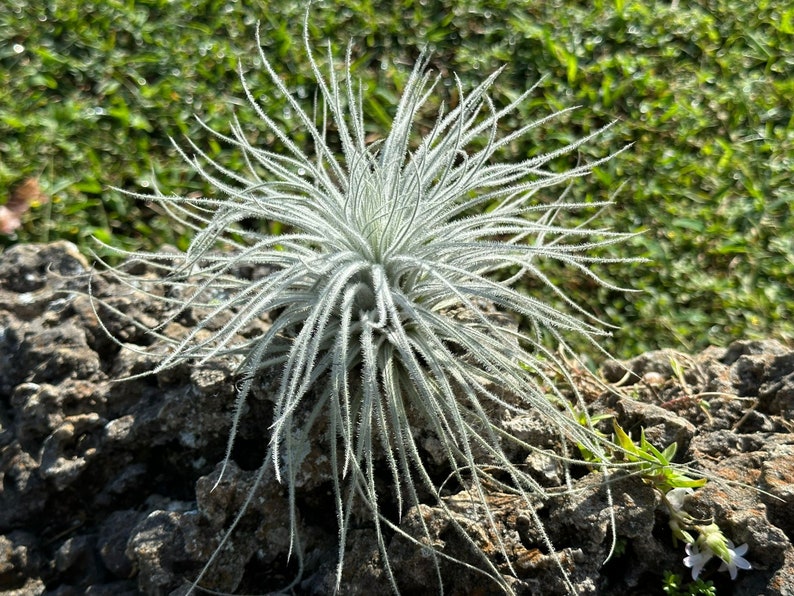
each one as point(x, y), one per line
point(113, 487)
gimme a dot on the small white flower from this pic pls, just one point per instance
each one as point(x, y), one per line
point(696, 559)
point(736, 560)
point(677, 496)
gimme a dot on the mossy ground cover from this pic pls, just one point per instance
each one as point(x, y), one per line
point(91, 91)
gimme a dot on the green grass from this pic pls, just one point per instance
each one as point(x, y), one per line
point(90, 92)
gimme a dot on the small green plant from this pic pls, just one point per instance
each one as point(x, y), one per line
point(674, 486)
point(673, 585)
point(584, 419)
point(654, 466)
point(396, 257)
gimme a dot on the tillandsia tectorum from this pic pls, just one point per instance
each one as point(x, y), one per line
point(383, 290)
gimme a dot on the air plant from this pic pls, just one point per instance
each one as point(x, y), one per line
point(388, 291)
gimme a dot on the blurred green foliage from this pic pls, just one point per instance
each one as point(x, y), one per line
point(91, 91)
